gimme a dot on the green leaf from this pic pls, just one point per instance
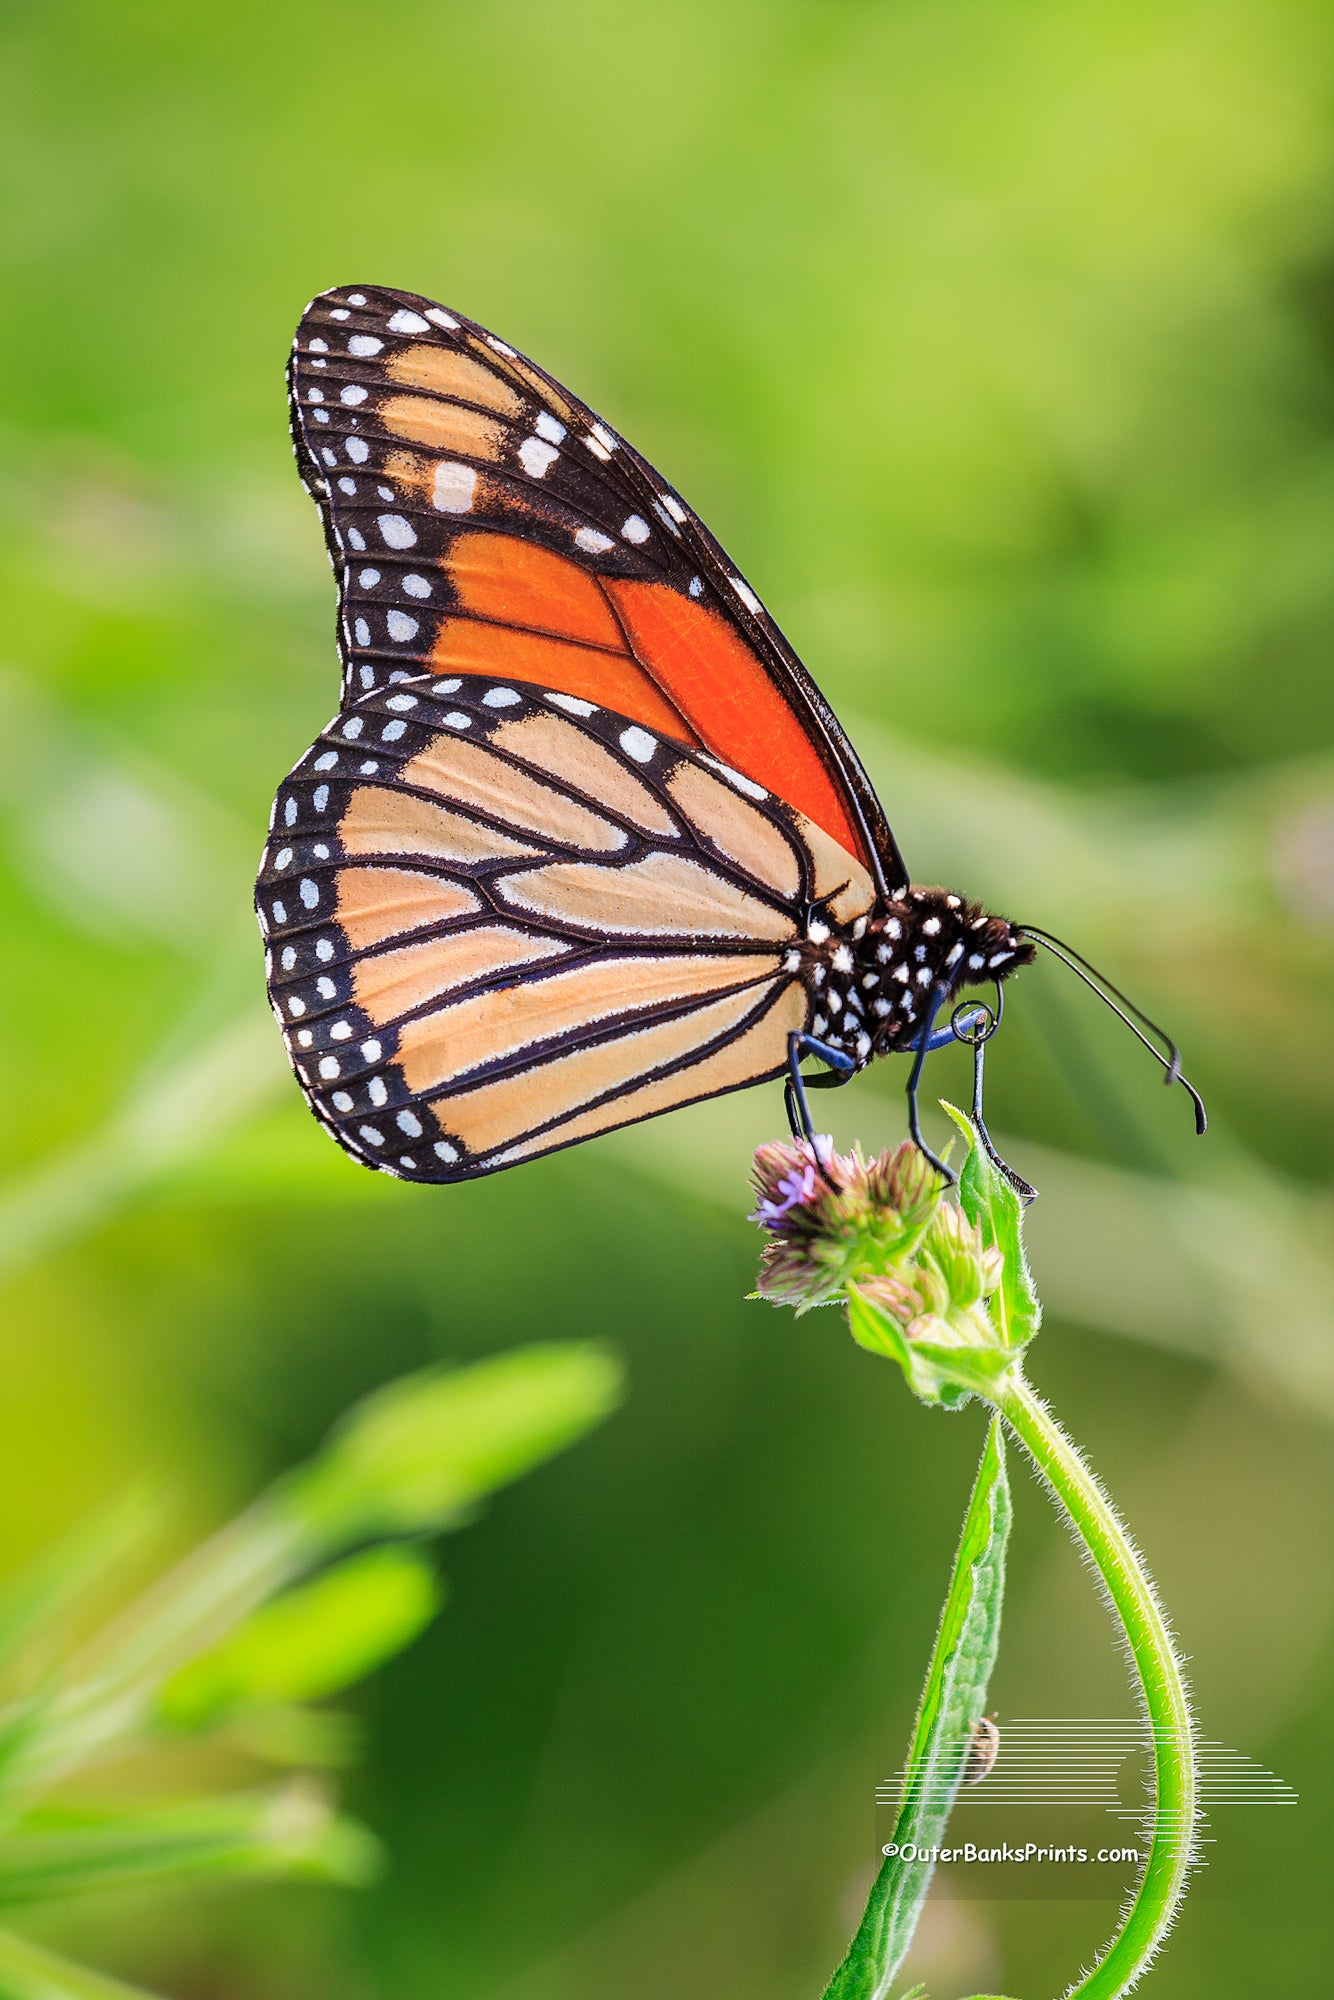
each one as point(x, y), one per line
point(418, 1454)
point(310, 1642)
point(987, 1198)
point(936, 1371)
point(28, 1972)
point(953, 1702)
point(289, 1832)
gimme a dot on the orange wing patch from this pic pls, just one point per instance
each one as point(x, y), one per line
point(710, 674)
point(513, 582)
point(644, 650)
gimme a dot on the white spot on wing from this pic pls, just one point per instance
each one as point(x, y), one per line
point(354, 393)
point(396, 532)
point(537, 458)
point(549, 428)
point(637, 743)
point(357, 450)
point(592, 542)
point(404, 321)
point(573, 704)
point(501, 698)
point(439, 317)
point(635, 529)
point(745, 593)
point(363, 345)
point(369, 578)
point(454, 488)
point(400, 627)
point(416, 586)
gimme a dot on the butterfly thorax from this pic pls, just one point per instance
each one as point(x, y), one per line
point(872, 981)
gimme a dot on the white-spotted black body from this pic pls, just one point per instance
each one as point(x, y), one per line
point(872, 981)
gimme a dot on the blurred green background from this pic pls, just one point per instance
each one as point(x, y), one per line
point(996, 341)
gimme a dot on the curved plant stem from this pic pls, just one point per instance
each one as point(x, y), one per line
point(1162, 1884)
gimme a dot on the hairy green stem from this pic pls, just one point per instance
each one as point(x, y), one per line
point(1167, 1706)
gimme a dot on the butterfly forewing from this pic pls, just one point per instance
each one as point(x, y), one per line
point(482, 521)
point(501, 918)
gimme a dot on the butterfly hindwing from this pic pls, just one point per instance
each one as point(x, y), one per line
point(501, 918)
point(481, 520)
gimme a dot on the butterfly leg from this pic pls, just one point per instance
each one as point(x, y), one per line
point(977, 1029)
point(794, 1095)
point(927, 1041)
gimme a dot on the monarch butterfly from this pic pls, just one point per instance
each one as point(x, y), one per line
point(584, 842)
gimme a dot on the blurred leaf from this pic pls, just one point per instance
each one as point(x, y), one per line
point(284, 1833)
point(280, 1733)
point(28, 1972)
point(55, 1582)
point(414, 1456)
point(418, 1454)
point(311, 1641)
point(953, 1702)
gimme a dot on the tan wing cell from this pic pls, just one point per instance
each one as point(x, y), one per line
point(378, 821)
point(663, 896)
point(376, 904)
point(475, 780)
point(736, 829)
point(497, 1113)
point(446, 372)
point(758, 1053)
point(574, 758)
point(495, 1027)
point(443, 426)
point(393, 983)
point(837, 873)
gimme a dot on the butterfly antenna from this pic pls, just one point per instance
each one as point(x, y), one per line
point(1125, 1010)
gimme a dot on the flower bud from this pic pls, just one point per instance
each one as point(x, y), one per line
point(916, 1272)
